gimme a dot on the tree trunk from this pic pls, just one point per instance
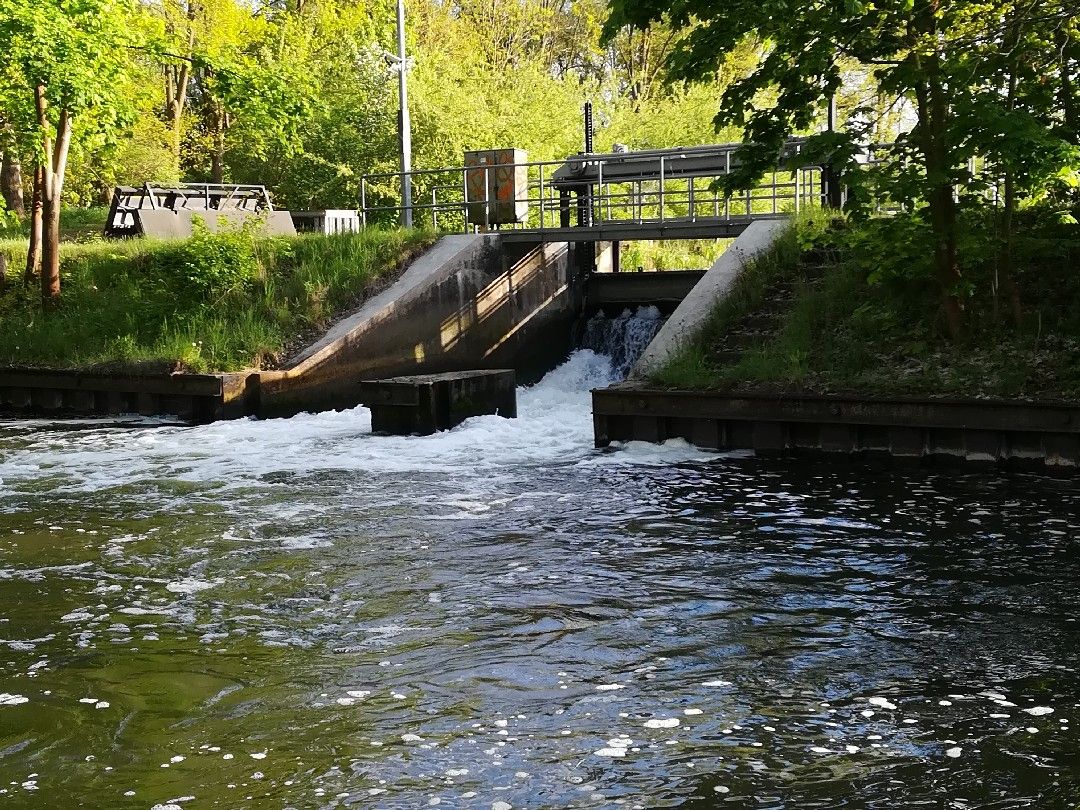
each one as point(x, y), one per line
point(1067, 92)
point(1070, 107)
point(176, 79)
point(942, 208)
point(33, 250)
point(217, 157)
point(217, 165)
point(11, 183)
point(1004, 273)
point(1005, 256)
point(55, 165)
point(50, 253)
point(933, 111)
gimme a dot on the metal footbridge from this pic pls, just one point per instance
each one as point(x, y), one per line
point(598, 197)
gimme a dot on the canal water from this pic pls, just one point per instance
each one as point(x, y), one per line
point(297, 614)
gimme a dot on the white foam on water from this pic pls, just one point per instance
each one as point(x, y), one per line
point(190, 585)
point(662, 722)
point(610, 752)
point(554, 426)
point(1038, 711)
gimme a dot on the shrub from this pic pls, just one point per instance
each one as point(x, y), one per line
point(201, 270)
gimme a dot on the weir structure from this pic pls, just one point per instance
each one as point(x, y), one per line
point(537, 248)
point(537, 252)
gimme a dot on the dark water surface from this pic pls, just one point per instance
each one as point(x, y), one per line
point(298, 614)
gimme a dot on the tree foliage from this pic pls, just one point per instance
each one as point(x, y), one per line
point(301, 94)
point(992, 80)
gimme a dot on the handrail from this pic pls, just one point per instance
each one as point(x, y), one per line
point(605, 195)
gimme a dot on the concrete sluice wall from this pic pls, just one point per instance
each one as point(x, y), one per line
point(471, 302)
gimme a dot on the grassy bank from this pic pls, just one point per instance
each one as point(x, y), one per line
point(849, 307)
point(210, 303)
point(76, 225)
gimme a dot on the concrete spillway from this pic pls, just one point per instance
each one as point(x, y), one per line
point(469, 303)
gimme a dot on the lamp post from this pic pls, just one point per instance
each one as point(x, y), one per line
point(404, 125)
point(834, 194)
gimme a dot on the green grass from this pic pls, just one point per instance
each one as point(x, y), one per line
point(76, 225)
point(871, 324)
point(212, 303)
point(680, 254)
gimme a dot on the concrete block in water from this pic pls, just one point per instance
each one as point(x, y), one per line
point(424, 403)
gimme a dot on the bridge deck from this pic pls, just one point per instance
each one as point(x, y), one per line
point(628, 231)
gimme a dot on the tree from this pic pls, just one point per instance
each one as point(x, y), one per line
point(67, 59)
point(11, 180)
point(926, 51)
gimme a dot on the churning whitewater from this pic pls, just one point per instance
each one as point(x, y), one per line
point(554, 426)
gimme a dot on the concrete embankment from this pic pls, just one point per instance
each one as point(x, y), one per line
point(695, 308)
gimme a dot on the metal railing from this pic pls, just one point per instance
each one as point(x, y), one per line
point(625, 188)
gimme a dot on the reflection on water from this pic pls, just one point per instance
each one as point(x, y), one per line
point(297, 614)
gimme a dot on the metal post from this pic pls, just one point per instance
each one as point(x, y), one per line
point(541, 197)
point(487, 199)
point(588, 128)
point(363, 202)
point(727, 172)
point(690, 201)
point(404, 124)
point(434, 211)
point(661, 188)
point(599, 192)
point(830, 180)
point(465, 198)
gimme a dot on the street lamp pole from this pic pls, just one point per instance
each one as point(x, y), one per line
point(404, 125)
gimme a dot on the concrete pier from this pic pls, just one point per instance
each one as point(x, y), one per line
point(426, 403)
